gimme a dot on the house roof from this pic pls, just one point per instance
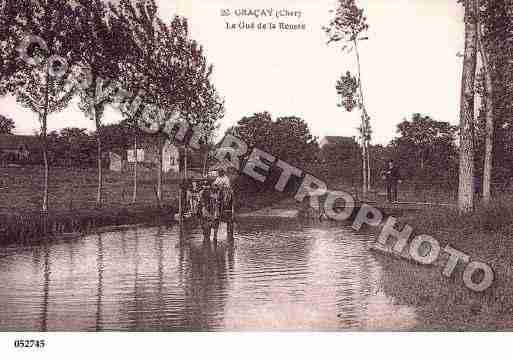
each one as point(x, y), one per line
point(13, 142)
point(224, 164)
point(338, 140)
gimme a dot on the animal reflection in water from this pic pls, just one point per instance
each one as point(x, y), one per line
point(213, 206)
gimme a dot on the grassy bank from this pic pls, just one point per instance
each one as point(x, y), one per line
point(72, 197)
point(408, 191)
point(485, 236)
point(32, 226)
point(74, 188)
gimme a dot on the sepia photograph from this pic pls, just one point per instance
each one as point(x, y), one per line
point(184, 166)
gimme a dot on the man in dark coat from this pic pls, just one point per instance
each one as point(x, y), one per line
point(477, 188)
point(392, 178)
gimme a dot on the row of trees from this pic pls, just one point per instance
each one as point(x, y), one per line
point(485, 137)
point(486, 76)
point(430, 142)
point(119, 55)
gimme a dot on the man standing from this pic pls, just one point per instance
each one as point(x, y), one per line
point(222, 181)
point(223, 199)
point(477, 188)
point(392, 178)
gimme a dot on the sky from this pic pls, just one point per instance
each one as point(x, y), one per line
point(409, 64)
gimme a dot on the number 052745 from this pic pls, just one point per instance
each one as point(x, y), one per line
point(26, 343)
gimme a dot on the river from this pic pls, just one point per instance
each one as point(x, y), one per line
point(275, 275)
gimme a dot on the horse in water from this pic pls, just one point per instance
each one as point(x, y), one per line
point(215, 206)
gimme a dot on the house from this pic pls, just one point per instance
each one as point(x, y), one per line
point(19, 148)
point(338, 140)
point(147, 154)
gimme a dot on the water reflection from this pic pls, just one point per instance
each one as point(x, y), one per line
point(100, 283)
point(205, 279)
point(46, 288)
point(273, 275)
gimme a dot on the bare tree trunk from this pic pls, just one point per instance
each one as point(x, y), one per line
point(159, 173)
point(365, 142)
point(364, 167)
point(134, 196)
point(368, 168)
point(489, 105)
point(205, 164)
point(46, 174)
point(99, 197)
point(97, 122)
point(185, 163)
point(466, 171)
point(44, 137)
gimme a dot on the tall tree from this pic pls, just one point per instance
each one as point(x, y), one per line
point(499, 33)
point(100, 50)
point(185, 86)
point(142, 75)
point(348, 26)
point(174, 74)
point(139, 17)
point(494, 38)
point(484, 50)
point(466, 171)
point(45, 89)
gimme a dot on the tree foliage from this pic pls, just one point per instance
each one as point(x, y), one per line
point(6, 125)
point(347, 89)
point(431, 143)
point(287, 138)
point(36, 88)
point(12, 22)
point(347, 23)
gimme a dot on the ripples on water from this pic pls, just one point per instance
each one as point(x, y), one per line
point(276, 275)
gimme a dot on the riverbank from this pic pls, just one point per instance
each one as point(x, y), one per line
point(21, 188)
point(485, 236)
point(32, 226)
point(72, 201)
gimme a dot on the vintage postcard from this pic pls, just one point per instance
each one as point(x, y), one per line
point(229, 166)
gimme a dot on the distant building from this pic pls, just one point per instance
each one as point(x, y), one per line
point(338, 140)
point(18, 148)
point(115, 162)
point(147, 154)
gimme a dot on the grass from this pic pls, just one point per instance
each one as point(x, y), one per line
point(485, 236)
point(34, 226)
point(73, 188)
point(72, 199)
point(408, 191)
